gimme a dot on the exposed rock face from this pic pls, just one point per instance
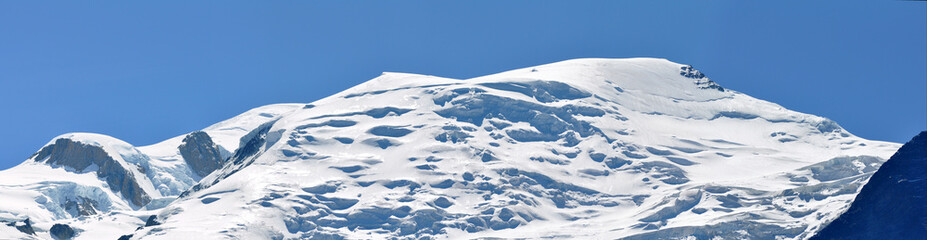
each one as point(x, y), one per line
point(250, 145)
point(700, 79)
point(200, 153)
point(79, 156)
point(152, 221)
point(61, 231)
point(80, 206)
point(892, 205)
point(24, 226)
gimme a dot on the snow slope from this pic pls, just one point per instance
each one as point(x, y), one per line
point(589, 148)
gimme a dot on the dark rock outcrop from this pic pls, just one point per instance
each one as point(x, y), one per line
point(201, 153)
point(152, 221)
point(79, 156)
point(893, 204)
point(24, 226)
point(61, 231)
point(250, 145)
point(80, 206)
point(702, 81)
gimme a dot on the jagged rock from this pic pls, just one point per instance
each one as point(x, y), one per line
point(200, 153)
point(249, 145)
point(79, 156)
point(81, 206)
point(24, 226)
point(152, 221)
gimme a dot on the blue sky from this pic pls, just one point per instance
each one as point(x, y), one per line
point(145, 72)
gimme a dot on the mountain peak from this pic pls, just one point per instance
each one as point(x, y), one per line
point(654, 76)
point(583, 148)
point(92, 139)
point(602, 76)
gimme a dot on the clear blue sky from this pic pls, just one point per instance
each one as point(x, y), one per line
point(144, 72)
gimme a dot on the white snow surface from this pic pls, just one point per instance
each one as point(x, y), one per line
point(579, 149)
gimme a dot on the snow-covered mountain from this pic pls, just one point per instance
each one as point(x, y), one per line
point(589, 148)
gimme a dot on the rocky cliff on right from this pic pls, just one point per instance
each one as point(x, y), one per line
point(893, 205)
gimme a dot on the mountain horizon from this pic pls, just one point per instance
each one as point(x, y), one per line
point(639, 148)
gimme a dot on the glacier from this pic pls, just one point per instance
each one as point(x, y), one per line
point(638, 148)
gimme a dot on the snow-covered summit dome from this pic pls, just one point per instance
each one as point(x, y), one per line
point(584, 148)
